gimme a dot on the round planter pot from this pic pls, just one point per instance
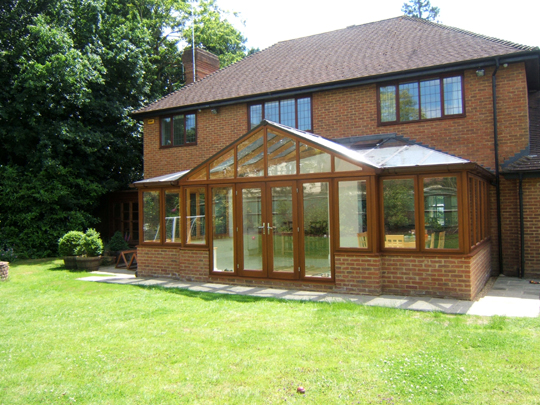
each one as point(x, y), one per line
point(88, 263)
point(70, 262)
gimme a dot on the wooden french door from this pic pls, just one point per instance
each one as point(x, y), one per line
point(268, 230)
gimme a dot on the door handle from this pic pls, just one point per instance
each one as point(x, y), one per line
point(263, 228)
point(270, 227)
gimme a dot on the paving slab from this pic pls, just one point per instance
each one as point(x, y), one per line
point(508, 296)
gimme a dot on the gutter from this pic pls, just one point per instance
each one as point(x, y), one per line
point(522, 57)
point(497, 173)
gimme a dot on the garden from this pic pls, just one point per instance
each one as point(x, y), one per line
point(69, 341)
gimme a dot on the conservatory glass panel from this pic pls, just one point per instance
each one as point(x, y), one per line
point(352, 214)
point(441, 225)
point(172, 217)
point(399, 214)
point(316, 230)
point(222, 229)
point(250, 156)
point(281, 155)
point(313, 160)
point(341, 165)
point(223, 166)
point(151, 215)
point(195, 222)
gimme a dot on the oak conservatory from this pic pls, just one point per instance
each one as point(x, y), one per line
point(285, 207)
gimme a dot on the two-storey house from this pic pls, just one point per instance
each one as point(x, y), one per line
point(391, 157)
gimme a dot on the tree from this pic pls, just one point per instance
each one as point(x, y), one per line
point(421, 9)
point(72, 72)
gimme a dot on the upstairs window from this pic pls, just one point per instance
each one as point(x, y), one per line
point(293, 112)
point(420, 100)
point(178, 130)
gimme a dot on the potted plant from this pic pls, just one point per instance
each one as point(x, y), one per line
point(90, 250)
point(117, 244)
point(68, 247)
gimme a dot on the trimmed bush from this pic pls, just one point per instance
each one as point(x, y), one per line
point(70, 243)
point(118, 243)
point(91, 244)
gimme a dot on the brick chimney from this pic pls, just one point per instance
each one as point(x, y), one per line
point(205, 63)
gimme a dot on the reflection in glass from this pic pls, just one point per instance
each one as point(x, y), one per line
point(352, 214)
point(316, 230)
point(431, 98)
point(255, 115)
point(304, 113)
point(222, 231)
point(196, 220)
point(441, 213)
point(399, 225)
point(165, 131)
point(408, 102)
point(282, 232)
point(151, 214)
point(452, 95)
point(281, 155)
point(178, 130)
point(172, 216)
point(271, 111)
point(191, 135)
point(345, 166)
point(198, 175)
point(250, 156)
point(387, 97)
point(287, 112)
point(223, 166)
point(252, 228)
point(313, 160)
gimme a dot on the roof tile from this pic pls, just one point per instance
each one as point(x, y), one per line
point(383, 47)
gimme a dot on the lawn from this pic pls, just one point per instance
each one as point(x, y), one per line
point(68, 341)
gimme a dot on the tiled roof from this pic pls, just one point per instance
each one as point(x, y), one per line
point(531, 159)
point(384, 47)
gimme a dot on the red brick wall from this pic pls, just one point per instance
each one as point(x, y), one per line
point(480, 269)
point(358, 274)
point(439, 276)
point(353, 111)
point(214, 132)
point(510, 226)
point(531, 209)
point(187, 265)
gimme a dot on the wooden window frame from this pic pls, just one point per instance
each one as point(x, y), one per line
point(419, 214)
point(161, 118)
point(210, 225)
point(141, 217)
point(370, 206)
point(163, 221)
point(295, 98)
point(478, 196)
point(207, 222)
point(417, 80)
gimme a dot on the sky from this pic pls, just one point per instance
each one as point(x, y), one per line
point(268, 22)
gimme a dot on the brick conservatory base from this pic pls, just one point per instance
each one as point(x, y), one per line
point(456, 276)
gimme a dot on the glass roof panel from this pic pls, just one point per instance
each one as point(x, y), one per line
point(281, 154)
point(314, 160)
point(223, 166)
point(250, 156)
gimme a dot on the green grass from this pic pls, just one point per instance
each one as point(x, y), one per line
point(68, 341)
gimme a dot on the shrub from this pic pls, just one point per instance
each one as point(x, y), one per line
point(117, 242)
point(7, 254)
point(70, 243)
point(91, 244)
